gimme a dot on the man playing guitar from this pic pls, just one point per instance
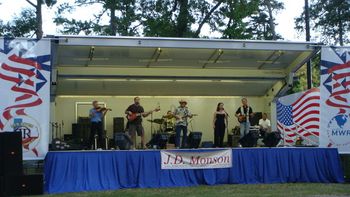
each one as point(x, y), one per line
point(181, 114)
point(135, 112)
point(244, 113)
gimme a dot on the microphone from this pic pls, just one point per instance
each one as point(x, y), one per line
point(227, 114)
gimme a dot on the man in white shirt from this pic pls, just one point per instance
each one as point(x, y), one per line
point(265, 125)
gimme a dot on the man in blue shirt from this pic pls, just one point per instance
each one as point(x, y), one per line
point(96, 115)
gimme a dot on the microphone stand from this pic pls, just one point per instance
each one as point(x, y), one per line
point(152, 124)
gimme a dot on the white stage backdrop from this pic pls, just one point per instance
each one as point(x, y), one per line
point(335, 98)
point(25, 93)
point(299, 115)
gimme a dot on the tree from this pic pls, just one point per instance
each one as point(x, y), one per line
point(230, 19)
point(331, 18)
point(262, 22)
point(301, 84)
point(166, 18)
point(20, 26)
point(38, 13)
point(123, 18)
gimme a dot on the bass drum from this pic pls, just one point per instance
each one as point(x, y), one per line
point(169, 125)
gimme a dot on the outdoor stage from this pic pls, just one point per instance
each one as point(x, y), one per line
point(76, 171)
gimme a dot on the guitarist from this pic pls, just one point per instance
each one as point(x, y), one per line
point(135, 112)
point(181, 114)
point(244, 114)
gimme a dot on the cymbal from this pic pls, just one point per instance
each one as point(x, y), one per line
point(157, 121)
point(169, 116)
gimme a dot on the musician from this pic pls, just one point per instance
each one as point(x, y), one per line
point(169, 121)
point(181, 114)
point(135, 126)
point(265, 125)
point(219, 124)
point(244, 114)
point(96, 115)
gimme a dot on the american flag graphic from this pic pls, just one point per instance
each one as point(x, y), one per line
point(299, 115)
point(21, 78)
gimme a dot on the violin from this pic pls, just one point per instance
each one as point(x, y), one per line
point(102, 109)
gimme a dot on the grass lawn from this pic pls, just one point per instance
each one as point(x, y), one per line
point(285, 190)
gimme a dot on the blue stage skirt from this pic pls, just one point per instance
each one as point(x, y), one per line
point(112, 170)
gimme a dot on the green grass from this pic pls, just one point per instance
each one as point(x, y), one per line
point(285, 190)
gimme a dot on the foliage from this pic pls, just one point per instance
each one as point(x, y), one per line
point(260, 24)
point(123, 18)
point(21, 26)
point(330, 18)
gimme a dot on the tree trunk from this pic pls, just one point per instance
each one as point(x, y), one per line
point(271, 20)
point(39, 20)
point(182, 19)
point(205, 19)
point(341, 28)
point(113, 19)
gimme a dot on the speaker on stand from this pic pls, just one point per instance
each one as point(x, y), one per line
point(118, 125)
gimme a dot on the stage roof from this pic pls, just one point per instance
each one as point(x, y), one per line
point(174, 66)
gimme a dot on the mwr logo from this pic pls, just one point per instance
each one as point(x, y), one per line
point(339, 130)
point(30, 130)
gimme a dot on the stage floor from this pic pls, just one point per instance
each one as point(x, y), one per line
point(76, 171)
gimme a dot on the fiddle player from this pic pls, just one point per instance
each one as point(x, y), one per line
point(96, 115)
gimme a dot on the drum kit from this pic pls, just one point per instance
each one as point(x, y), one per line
point(166, 124)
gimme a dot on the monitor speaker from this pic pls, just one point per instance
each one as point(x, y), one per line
point(122, 141)
point(118, 124)
point(194, 139)
point(207, 144)
point(232, 140)
point(159, 140)
point(11, 153)
point(249, 140)
point(19, 185)
point(272, 139)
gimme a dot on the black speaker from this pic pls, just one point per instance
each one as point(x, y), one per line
point(207, 144)
point(81, 132)
point(255, 119)
point(122, 141)
point(232, 140)
point(118, 124)
point(160, 140)
point(249, 140)
point(194, 139)
point(11, 153)
point(84, 120)
point(272, 139)
point(22, 185)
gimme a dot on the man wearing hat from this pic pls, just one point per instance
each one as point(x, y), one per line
point(181, 114)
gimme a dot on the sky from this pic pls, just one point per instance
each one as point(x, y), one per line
point(284, 19)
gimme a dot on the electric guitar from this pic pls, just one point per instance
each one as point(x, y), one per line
point(133, 116)
point(181, 119)
point(242, 118)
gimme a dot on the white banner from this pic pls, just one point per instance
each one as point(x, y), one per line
point(25, 67)
point(195, 159)
point(335, 98)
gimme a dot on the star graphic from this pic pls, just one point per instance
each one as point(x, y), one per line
point(328, 83)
